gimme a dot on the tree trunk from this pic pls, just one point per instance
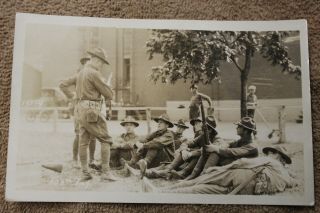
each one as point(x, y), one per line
point(244, 79)
point(243, 104)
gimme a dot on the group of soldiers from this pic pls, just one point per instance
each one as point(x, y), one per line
point(201, 162)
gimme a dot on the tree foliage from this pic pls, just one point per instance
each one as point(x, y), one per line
point(197, 55)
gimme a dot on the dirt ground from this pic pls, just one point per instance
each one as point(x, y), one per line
point(39, 144)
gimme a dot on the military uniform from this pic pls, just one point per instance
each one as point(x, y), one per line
point(124, 147)
point(265, 175)
point(64, 86)
point(251, 104)
point(195, 102)
point(160, 141)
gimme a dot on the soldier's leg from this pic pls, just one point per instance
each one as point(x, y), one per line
point(75, 148)
point(212, 160)
point(84, 143)
point(92, 149)
point(198, 167)
point(187, 170)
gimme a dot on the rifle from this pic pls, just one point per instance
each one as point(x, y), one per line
point(204, 127)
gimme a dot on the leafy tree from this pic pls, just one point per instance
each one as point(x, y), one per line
point(197, 55)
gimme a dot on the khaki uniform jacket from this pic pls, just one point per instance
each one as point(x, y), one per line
point(160, 139)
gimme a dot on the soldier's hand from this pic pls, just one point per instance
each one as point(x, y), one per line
point(186, 155)
point(139, 146)
point(212, 148)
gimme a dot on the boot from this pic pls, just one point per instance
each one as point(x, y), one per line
point(195, 173)
point(107, 175)
point(94, 166)
point(143, 167)
point(85, 176)
point(178, 175)
point(75, 164)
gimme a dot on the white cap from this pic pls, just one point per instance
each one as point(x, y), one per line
point(252, 87)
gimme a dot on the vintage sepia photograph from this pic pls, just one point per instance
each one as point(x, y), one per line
point(160, 111)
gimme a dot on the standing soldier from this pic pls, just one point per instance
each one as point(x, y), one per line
point(90, 88)
point(195, 101)
point(252, 101)
point(64, 86)
point(123, 147)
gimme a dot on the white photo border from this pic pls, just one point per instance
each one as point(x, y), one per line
point(22, 19)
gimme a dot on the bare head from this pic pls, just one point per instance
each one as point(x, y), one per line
point(252, 89)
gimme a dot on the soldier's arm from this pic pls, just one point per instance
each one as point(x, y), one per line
point(101, 86)
point(165, 139)
point(65, 84)
point(206, 98)
point(242, 151)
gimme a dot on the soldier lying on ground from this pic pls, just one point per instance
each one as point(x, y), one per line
point(221, 155)
point(158, 142)
point(123, 147)
point(261, 175)
point(64, 86)
point(188, 153)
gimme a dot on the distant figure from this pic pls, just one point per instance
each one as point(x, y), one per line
point(252, 101)
point(195, 101)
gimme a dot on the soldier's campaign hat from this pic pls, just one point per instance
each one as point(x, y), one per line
point(165, 118)
point(181, 123)
point(278, 149)
point(253, 87)
point(248, 123)
point(131, 120)
point(194, 86)
point(99, 53)
point(211, 123)
point(193, 120)
point(84, 59)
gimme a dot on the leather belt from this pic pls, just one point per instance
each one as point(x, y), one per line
point(90, 104)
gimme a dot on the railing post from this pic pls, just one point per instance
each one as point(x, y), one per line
point(55, 120)
point(148, 116)
point(282, 124)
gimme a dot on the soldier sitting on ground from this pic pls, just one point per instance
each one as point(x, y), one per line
point(222, 155)
point(188, 153)
point(155, 144)
point(123, 146)
point(261, 175)
point(178, 134)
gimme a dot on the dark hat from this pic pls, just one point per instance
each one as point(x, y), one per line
point(131, 120)
point(278, 149)
point(165, 118)
point(193, 120)
point(194, 86)
point(181, 123)
point(84, 59)
point(210, 121)
point(99, 53)
point(248, 123)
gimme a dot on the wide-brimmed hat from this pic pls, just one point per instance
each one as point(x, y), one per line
point(181, 123)
point(131, 120)
point(99, 53)
point(193, 120)
point(84, 59)
point(248, 123)
point(165, 118)
point(211, 123)
point(278, 149)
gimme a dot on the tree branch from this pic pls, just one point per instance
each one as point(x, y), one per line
point(236, 64)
